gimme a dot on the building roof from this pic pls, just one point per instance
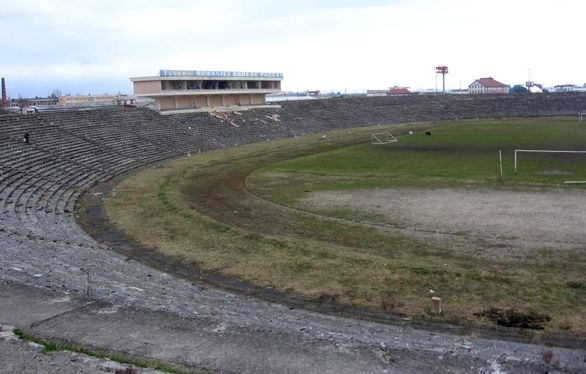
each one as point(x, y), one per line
point(399, 91)
point(177, 75)
point(489, 82)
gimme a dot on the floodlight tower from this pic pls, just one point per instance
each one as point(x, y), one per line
point(4, 103)
point(443, 70)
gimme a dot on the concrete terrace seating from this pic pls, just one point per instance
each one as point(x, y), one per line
point(72, 150)
point(42, 245)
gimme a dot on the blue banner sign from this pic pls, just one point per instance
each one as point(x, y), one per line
point(218, 74)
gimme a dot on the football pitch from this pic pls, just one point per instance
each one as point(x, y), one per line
point(459, 153)
point(335, 219)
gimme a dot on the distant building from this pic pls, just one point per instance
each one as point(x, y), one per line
point(487, 86)
point(130, 101)
point(42, 103)
point(194, 90)
point(392, 91)
point(398, 91)
point(377, 92)
point(12, 107)
point(564, 88)
point(88, 100)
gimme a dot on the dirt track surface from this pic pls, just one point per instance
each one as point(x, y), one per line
point(502, 219)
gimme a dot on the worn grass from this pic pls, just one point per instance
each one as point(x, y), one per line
point(197, 210)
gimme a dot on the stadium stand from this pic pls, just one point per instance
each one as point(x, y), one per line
point(41, 244)
point(72, 150)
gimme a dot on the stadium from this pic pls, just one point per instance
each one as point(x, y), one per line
point(138, 223)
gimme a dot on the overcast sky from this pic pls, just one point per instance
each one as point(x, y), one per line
point(94, 46)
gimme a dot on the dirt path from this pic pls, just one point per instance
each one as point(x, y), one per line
point(525, 220)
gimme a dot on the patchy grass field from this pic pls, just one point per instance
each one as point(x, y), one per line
point(459, 153)
point(198, 210)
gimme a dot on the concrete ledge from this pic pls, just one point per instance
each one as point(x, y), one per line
point(23, 305)
point(202, 343)
point(205, 342)
point(220, 109)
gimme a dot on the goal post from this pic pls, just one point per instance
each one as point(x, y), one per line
point(540, 151)
point(383, 138)
point(581, 116)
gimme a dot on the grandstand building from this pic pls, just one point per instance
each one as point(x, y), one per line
point(201, 90)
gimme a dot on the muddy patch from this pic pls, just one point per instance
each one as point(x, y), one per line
point(514, 318)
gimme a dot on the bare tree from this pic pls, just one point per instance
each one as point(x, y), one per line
point(55, 94)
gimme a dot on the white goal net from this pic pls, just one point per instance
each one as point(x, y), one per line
point(383, 138)
point(558, 160)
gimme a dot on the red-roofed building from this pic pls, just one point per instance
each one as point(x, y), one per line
point(398, 91)
point(487, 86)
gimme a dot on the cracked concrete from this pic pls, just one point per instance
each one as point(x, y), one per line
point(19, 356)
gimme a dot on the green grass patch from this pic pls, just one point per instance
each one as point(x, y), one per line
point(456, 154)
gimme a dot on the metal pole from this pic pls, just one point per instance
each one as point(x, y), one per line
point(515, 161)
point(501, 161)
point(444, 82)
